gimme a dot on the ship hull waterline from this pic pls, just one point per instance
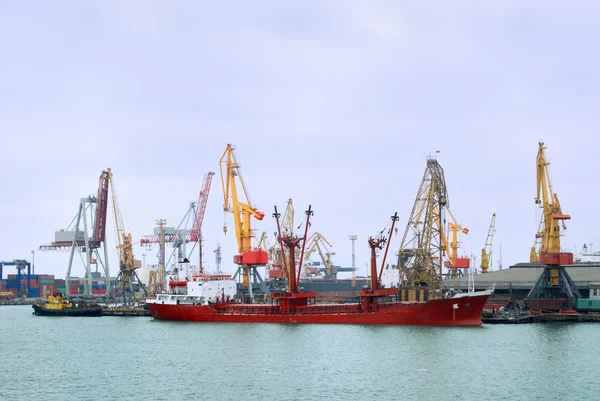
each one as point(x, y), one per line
point(463, 311)
point(75, 312)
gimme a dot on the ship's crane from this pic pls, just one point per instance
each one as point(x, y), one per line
point(127, 264)
point(368, 297)
point(247, 258)
point(554, 281)
point(318, 242)
point(292, 298)
point(486, 252)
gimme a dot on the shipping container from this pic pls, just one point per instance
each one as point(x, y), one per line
point(34, 292)
point(46, 281)
point(98, 292)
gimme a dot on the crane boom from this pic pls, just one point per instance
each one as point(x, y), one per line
point(201, 206)
point(124, 243)
point(486, 252)
point(554, 282)
point(127, 277)
point(102, 199)
point(242, 211)
point(454, 228)
point(553, 218)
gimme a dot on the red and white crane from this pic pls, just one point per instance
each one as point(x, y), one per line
point(181, 236)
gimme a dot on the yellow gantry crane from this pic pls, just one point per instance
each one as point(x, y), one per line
point(124, 243)
point(554, 281)
point(552, 220)
point(247, 258)
point(127, 264)
point(486, 252)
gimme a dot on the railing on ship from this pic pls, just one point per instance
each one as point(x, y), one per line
point(335, 309)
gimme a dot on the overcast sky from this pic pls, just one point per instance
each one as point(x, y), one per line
point(333, 103)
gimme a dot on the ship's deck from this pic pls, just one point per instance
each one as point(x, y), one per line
point(326, 309)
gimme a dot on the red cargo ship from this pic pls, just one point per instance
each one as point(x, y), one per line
point(208, 298)
point(462, 310)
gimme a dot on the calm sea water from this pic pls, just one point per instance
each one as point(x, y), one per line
point(136, 358)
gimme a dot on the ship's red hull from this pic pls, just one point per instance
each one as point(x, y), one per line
point(464, 311)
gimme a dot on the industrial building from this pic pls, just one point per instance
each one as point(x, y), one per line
point(518, 280)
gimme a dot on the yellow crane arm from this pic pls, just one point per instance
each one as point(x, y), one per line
point(454, 246)
point(549, 232)
point(486, 251)
point(124, 242)
point(242, 211)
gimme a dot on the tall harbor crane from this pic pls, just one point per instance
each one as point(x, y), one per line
point(156, 278)
point(486, 252)
point(248, 258)
point(424, 244)
point(180, 236)
point(554, 280)
point(127, 278)
point(318, 242)
point(196, 234)
point(86, 237)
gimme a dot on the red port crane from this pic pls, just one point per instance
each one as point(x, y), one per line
point(191, 236)
point(248, 258)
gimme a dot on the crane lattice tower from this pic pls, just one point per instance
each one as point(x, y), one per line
point(423, 244)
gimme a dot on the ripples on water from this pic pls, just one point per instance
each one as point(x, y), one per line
point(136, 358)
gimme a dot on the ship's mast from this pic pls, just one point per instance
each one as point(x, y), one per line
point(369, 296)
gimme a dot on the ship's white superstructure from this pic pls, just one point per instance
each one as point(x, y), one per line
point(588, 254)
point(200, 290)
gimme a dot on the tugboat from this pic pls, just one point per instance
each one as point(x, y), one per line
point(56, 305)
